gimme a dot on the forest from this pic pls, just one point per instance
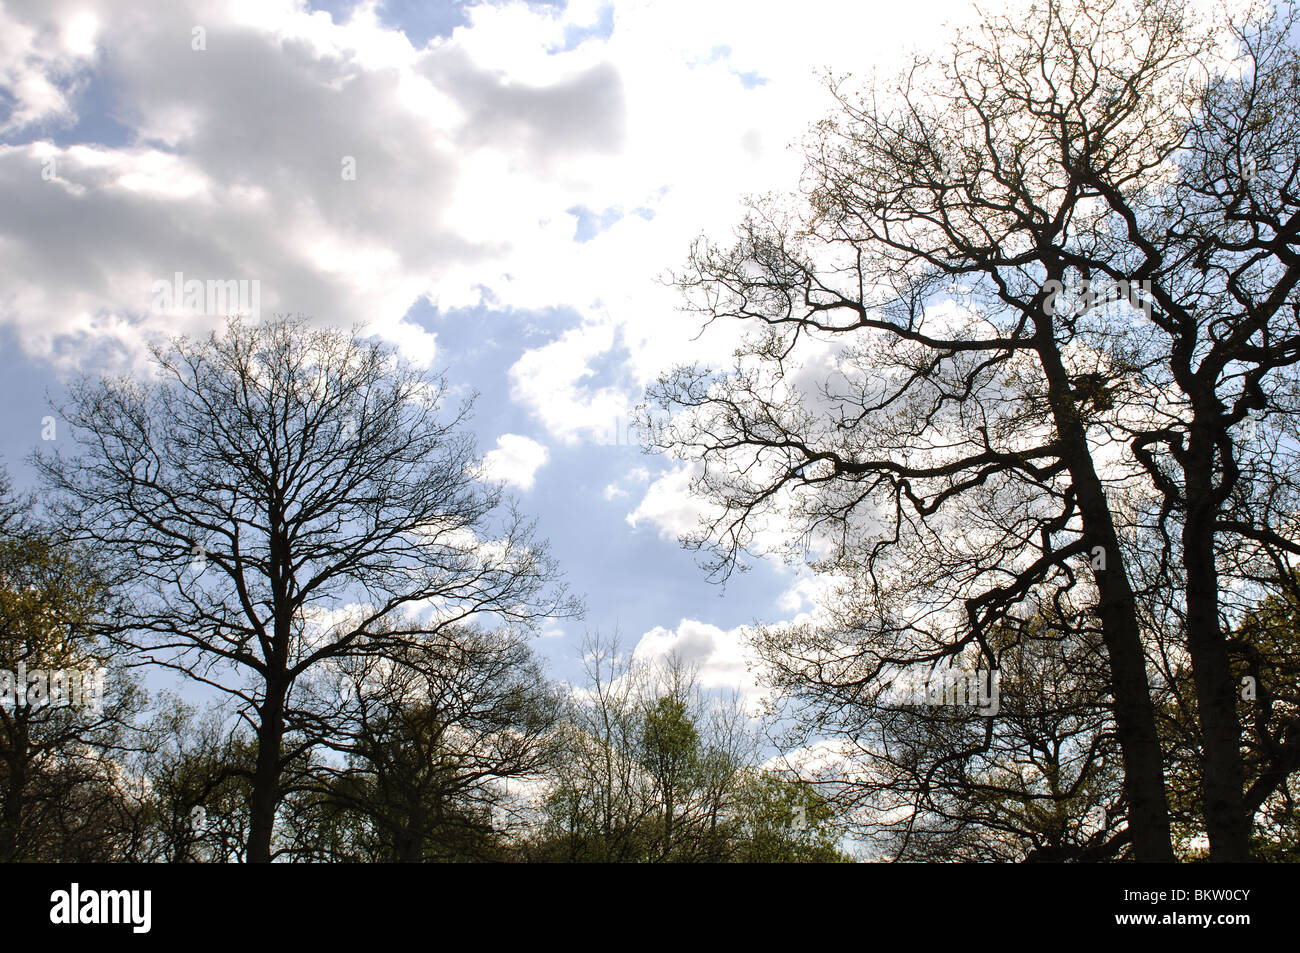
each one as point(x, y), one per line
point(1016, 380)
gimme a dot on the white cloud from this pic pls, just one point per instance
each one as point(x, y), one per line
point(808, 593)
point(619, 489)
point(470, 152)
point(545, 379)
point(720, 656)
point(37, 65)
point(515, 461)
point(674, 511)
point(235, 158)
point(825, 757)
point(669, 506)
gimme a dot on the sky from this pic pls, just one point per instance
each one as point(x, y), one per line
point(497, 189)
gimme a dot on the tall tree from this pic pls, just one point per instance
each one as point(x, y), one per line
point(276, 496)
point(981, 418)
point(1219, 251)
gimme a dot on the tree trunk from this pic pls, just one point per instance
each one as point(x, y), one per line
point(1222, 774)
point(1135, 721)
point(266, 776)
point(1135, 725)
point(11, 817)
point(668, 820)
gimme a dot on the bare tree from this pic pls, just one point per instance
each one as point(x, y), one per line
point(1034, 777)
point(653, 769)
point(987, 427)
point(1218, 250)
point(271, 499)
point(431, 736)
point(598, 804)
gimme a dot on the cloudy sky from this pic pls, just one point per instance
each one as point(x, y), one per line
point(496, 188)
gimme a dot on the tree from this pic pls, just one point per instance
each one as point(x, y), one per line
point(670, 752)
point(1266, 668)
point(657, 772)
point(782, 820)
point(1035, 778)
point(996, 268)
point(598, 806)
point(432, 736)
point(190, 777)
point(66, 700)
point(1217, 251)
point(276, 496)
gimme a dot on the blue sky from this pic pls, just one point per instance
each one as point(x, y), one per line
point(523, 176)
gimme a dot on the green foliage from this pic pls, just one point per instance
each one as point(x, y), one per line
point(781, 821)
point(60, 795)
point(656, 772)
